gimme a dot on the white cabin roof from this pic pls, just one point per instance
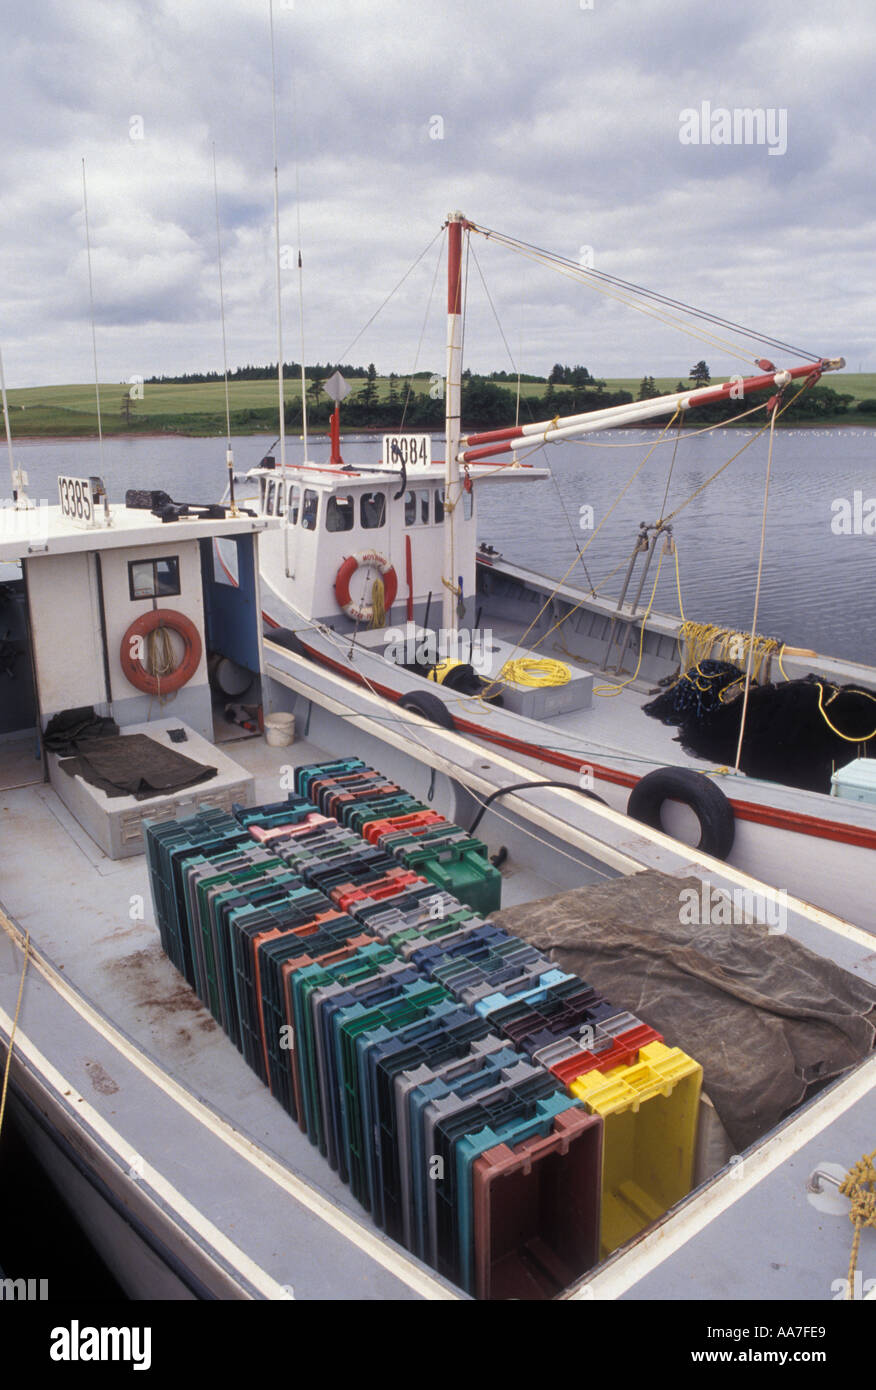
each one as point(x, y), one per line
point(327, 476)
point(44, 530)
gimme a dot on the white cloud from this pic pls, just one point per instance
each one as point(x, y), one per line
point(560, 125)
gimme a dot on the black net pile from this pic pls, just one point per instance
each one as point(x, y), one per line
point(787, 738)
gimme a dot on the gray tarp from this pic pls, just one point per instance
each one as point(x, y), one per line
point(768, 1019)
point(134, 765)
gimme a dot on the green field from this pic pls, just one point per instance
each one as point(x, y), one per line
point(199, 409)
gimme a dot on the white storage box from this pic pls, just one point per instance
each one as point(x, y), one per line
point(856, 781)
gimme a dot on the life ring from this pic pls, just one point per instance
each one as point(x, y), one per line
point(134, 670)
point(362, 612)
point(708, 803)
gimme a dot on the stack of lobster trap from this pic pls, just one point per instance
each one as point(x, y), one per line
point(495, 1115)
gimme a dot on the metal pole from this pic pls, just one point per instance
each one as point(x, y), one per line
point(453, 397)
point(12, 469)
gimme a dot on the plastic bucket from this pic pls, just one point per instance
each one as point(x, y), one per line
point(280, 729)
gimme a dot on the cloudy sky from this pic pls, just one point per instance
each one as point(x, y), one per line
point(557, 121)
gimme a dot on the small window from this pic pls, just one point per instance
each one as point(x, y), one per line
point(439, 506)
point(263, 487)
point(294, 503)
point(310, 509)
point(271, 497)
point(340, 513)
point(372, 510)
point(468, 504)
point(281, 497)
point(417, 507)
point(153, 578)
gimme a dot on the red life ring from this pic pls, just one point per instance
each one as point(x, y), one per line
point(141, 627)
point(362, 612)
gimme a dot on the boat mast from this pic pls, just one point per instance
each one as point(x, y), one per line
point(452, 408)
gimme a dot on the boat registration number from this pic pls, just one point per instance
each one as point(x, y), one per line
point(412, 450)
point(76, 500)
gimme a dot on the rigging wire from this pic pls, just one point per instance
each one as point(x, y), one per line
point(586, 274)
point(393, 291)
point(410, 377)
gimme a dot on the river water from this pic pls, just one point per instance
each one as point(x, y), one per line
point(817, 588)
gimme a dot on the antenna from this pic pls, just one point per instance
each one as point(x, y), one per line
point(229, 454)
point(16, 475)
point(300, 273)
point(279, 296)
point(91, 303)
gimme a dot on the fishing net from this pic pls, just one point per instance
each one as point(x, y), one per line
point(788, 733)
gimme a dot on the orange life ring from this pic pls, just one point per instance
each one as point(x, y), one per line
point(132, 666)
point(362, 612)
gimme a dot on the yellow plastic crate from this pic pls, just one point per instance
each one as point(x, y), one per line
point(650, 1112)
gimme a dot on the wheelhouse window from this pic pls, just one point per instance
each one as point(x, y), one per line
point(417, 507)
point(439, 505)
point(372, 510)
point(340, 513)
point(271, 498)
point(281, 497)
point(154, 578)
point(294, 504)
point(310, 509)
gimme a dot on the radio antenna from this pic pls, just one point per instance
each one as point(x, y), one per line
point(91, 304)
point(229, 454)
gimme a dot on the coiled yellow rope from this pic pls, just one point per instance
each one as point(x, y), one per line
point(378, 606)
point(863, 738)
point(859, 1185)
point(697, 640)
point(541, 671)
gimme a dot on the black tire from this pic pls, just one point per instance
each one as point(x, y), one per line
point(708, 803)
point(285, 637)
point(429, 706)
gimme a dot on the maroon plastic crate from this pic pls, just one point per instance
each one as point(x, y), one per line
point(536, 1210)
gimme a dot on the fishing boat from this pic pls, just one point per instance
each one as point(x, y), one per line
point(376, 572)
point(181, 1120)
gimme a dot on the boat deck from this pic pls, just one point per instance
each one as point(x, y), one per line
point(151, 1078)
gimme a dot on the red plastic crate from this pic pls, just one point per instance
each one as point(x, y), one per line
point(624, 1052)
point(393, 883)
point(536, 1210)
point(373, 829)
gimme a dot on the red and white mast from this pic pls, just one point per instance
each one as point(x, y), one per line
point(452, 407)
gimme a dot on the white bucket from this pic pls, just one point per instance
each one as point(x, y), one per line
point(280, 729)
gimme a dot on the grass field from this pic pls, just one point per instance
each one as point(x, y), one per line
point(200, 408)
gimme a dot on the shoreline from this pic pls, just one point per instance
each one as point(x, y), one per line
point(839, 423)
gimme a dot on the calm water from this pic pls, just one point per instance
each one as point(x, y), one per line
point(817, 590)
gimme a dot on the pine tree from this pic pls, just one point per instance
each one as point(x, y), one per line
point(700, 374)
